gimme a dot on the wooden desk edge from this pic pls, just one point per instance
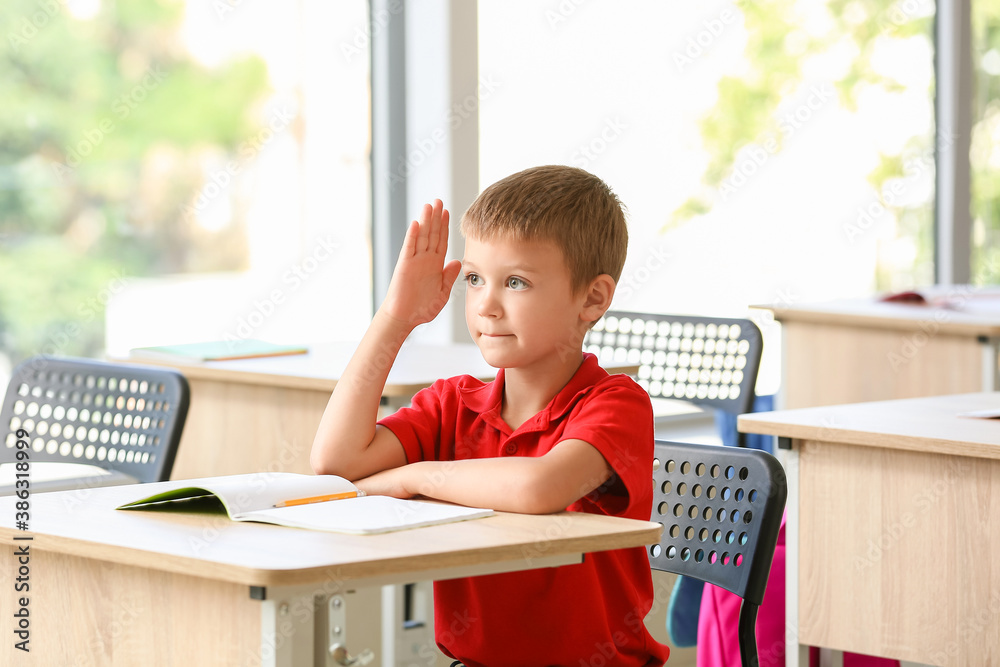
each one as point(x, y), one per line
point(196, 371)
point(200, 371)
point(643, 533)
point(761, 425)
point(942, 320)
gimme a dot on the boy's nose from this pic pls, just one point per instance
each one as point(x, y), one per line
point(489, 304)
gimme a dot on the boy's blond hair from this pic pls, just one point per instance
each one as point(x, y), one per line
point(566, 205)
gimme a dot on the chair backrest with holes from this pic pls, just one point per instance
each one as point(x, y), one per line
point(116, 416)
point(721, 510)
point(709, 361)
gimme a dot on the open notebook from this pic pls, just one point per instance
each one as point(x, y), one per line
point(315, 502)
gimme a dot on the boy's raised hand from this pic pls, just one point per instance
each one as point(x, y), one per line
point(421, 282)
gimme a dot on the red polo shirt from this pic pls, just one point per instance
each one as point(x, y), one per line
point(586, 615)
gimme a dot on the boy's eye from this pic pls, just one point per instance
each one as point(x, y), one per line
point(516, 283)
point(473, 279)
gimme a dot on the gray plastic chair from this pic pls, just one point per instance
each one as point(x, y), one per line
point(721, 510)
point(711, 362)
point(124, 418)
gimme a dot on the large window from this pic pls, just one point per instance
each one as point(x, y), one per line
point(188, 170)
point(767, 152)
point(183, 171)
point(985, 148)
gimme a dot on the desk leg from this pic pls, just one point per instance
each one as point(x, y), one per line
point(991, 364)
point(831, 658)
point(408, 624)
point(300, 624)
point(796, 655)
point(288, 628)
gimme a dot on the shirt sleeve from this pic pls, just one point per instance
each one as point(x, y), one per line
point(418, 426)
point(617, 419)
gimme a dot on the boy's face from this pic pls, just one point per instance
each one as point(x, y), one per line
point(519, 303)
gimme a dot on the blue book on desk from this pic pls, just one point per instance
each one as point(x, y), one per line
point(219, 350)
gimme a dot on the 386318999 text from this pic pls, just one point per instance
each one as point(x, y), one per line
point(22, 550)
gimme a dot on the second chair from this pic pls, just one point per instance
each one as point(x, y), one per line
point(711, 362)
point(126, 419)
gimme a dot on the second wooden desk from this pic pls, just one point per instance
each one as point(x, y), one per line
point(892, 530)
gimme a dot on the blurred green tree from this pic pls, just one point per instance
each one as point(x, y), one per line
point(777, 45)
point(104, 130)
point(985, 149)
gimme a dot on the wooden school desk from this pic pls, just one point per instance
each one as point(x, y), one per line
point(249, 415)
point(117, 588)
point(893, 528)
point(857, 350)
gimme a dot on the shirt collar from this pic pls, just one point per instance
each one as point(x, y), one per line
point(487, 398)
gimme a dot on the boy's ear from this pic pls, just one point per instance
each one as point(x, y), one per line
point(598, 297)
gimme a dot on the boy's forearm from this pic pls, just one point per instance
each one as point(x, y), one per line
point(348, 423)
point(528, 485)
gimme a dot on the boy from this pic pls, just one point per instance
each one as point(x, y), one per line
point(554, 431)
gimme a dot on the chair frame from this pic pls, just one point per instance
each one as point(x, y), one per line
point(721, 510)
point(123, 418)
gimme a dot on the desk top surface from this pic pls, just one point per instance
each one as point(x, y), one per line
point(84, 523)
point(962, 311)
point(417, 366)
point(932, 424)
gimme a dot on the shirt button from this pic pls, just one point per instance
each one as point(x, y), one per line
point(509, 448)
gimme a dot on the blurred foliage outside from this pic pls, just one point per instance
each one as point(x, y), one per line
point(985, 151)
point(108, 123)
point(777, 47)
point(105, 133)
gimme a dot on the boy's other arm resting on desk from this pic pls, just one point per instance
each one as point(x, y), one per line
point(529, 485)
point(347, 442)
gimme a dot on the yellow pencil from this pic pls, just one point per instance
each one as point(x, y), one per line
point(321, 499)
